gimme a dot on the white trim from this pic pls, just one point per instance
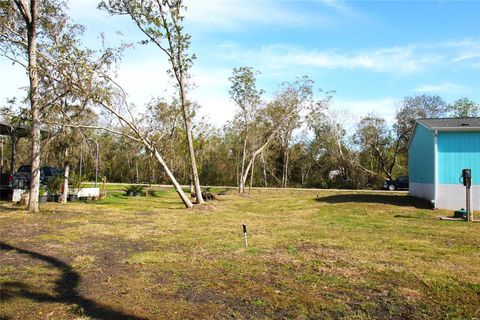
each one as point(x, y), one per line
point(435, 167)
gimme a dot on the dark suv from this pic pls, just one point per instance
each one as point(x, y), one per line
point(21, 178)
point(399, 183)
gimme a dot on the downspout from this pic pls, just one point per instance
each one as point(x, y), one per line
point(435, 168)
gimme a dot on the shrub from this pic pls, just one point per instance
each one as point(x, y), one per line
point(54, 185)
point(75, 182)
point(42, 191)
point(136, 189)
point(151, 192)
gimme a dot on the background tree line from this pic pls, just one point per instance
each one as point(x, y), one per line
point(317, 153)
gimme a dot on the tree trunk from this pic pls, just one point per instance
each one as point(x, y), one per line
point(80, 173)
point(192, 186)
point(66, 173)
point(136, 170)
point(285, 168)
point(264, 170)
point(31, 21)
point(186, 201)
point(191, 152)
point(241, 185)
point(237, 170)
point(287, 157)
point(150, 170)
point(188, 127)
point(251, 177)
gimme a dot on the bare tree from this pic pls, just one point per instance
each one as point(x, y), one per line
point(464, 108)
point(292, 98)
point(247, 97)
point(161, 22)
point(378, 143)
point(17, 37)
point(270, 125)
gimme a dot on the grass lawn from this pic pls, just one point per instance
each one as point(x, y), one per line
point(311, 255)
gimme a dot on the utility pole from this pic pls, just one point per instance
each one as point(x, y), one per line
point(96, 160)
point(1, 156)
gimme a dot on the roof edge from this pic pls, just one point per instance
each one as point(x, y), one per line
point(466, 128)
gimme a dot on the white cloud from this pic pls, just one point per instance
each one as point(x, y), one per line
point(341, 7)
point(444, 87)
point(384, 107)
point(239, 14)
point(467, 56)
point(394, 60)
point(211, 92)
point(146, 77)
point(14, 78)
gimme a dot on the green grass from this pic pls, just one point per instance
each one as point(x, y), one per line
point(343, 255)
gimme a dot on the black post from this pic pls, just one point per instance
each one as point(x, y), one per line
point(245, 235)
point(467, 182)
point(1, 156)
point(13, 156)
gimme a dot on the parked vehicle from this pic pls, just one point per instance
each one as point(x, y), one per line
point(5, 179)
point(397, 184)
point(21, 178)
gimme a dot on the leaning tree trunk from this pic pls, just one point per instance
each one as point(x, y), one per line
point(31, 19)
point(174, 181)
point(150, 146)
point(188, 129)
point(66, 173)
point(251, 177)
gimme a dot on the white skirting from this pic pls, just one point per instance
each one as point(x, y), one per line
point(449, 197)
point(453, 197)
point(422, 190)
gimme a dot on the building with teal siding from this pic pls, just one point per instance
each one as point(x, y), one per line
point(438, 150)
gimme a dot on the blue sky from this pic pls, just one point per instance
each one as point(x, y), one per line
point(371, 53)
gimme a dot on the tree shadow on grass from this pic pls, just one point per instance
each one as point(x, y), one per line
point(65, 289)
point(396, 200)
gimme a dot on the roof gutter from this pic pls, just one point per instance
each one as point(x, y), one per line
point(466, 128)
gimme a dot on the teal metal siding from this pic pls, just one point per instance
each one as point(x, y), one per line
point(421, 156)
point(457, 151)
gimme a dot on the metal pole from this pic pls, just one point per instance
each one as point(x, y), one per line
point(245, 235)
point(81, 159)
point(469, 204)
point(1, 155)
point(96, 164)
point(14, 147)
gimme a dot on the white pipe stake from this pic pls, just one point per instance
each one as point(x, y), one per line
point(245, 235)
